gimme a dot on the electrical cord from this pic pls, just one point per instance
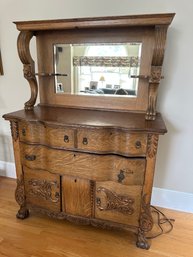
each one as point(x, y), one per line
point(161, 220)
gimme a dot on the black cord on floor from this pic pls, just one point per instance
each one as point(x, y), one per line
point(161, 220)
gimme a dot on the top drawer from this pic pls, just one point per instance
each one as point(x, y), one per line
point(112, 141)
point(97, 140)
point(53, 136)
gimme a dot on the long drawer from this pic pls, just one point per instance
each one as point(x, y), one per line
point(127, 171)
point(98, 140)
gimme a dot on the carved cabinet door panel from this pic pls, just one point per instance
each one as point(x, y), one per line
point(42, 189)
point(77, 196)
point(118, 203)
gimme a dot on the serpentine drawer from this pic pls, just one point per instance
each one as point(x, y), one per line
point(98, 140)
point(123, 170)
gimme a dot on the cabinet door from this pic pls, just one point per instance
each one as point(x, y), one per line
point(42, 189)
point(77, 196)
point(118, 203)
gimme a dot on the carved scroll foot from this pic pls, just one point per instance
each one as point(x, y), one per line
point(23, 213)
point(142, 241)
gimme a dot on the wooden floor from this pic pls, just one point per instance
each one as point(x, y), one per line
point(40, 236)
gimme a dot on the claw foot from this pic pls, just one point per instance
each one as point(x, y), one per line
point(23, 213)
point(142, 241)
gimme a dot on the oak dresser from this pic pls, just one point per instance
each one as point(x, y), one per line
point(82, 154)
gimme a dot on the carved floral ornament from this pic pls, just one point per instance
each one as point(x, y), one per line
point(14, 130)
point(155, 74)
point(19, 192)
point(120, 203)
point(44, 189)
point(152, 145)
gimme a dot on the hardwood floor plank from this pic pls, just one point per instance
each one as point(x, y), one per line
point(40, 236)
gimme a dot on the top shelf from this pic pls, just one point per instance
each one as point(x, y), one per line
point(99, 22)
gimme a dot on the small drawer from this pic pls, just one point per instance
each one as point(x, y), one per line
point(37, 133)
point(112, 141)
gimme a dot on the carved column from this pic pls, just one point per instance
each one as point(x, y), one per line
point(20, 191)
point(156, 68)
point(145, 220)
point(28, 66)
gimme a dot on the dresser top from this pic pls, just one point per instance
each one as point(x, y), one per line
point(129, 121)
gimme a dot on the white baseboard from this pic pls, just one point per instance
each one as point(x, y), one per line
point(170, 199)
point(7, 169)
point(160, 197)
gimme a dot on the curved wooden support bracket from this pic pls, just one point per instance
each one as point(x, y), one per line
point(156, 68)
point(28, 66)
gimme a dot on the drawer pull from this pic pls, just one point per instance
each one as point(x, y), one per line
point(66, 139)
point(30, 157)
point(23, 132)
point(121, 176)
point(85, 141)
point(98, 201)
point(137, 144)
point(57, 195)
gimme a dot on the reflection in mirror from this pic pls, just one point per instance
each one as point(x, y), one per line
point(97, 69)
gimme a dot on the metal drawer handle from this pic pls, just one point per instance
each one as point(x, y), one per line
point(98, 203)
point(121, 176)
point(66, 139)
point(24, 132)
point(85, 141)
point(30, 157)
point(137, 144)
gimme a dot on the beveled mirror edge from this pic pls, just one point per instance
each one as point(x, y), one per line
point(105, 69)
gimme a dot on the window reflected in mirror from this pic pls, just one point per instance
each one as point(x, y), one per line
point(97, 69)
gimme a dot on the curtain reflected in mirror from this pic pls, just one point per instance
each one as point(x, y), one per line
point(97, 69)
point(1, 65)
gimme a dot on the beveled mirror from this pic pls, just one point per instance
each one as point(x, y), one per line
point(97, 69)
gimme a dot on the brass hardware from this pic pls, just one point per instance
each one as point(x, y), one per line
point(137, 144)
point(121, 176)
point(57, 194)
point(98, 201)
point(85, 141)
point(30, 157)
point(24, 132)
point(66, 139)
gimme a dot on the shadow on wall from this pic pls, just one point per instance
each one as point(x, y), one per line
point(7, 165)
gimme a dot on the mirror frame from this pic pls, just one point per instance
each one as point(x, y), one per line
point(151, 29)
point(45, 43)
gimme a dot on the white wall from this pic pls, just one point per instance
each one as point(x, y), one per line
point(174, 168)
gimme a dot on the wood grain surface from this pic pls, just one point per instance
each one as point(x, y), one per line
point(82, 165)
point(126, 121)
point(41, 236)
